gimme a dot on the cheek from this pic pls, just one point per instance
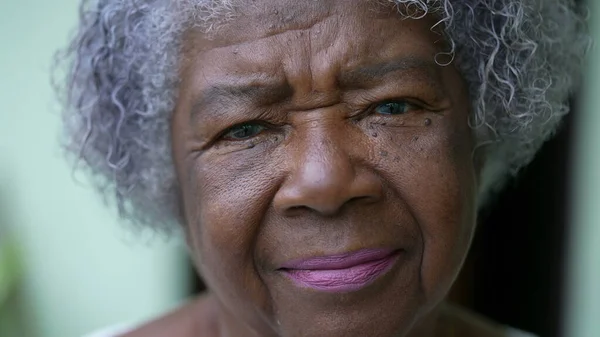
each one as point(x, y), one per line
point(433, 173)
point(228, 197)
point(225, 199)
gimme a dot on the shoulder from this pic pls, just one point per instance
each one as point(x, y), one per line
point(113, 331)
point(188, 320)
point(468, 323)
point(197, 317)
point(518, 333)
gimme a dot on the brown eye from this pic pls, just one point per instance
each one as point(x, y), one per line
point(394, 108)
point(244, 131)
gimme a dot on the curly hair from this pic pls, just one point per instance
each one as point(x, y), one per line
point(521, 59)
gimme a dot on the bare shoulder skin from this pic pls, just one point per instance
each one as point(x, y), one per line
point(469, 324)
point(200, 318)
point(196, 318)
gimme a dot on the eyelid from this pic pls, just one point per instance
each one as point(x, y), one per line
point(229, 135)
point(413, 101)
point(221, 135)
point(415, 106)
point(408, 100)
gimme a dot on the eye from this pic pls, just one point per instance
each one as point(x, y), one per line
point(243, 131)
point(394, 108)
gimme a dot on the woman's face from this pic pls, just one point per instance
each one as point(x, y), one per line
point(325, 167)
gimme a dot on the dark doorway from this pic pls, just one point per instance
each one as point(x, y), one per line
point(518, 256)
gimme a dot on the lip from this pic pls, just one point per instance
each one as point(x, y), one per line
point(342, 272)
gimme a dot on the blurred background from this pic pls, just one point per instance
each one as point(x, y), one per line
point(67, 267)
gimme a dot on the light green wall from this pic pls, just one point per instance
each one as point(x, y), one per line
point(584, 264)
point(83, 270)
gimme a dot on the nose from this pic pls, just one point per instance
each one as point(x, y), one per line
point(324, 176)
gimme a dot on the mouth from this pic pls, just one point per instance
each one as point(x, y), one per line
point(343, 272)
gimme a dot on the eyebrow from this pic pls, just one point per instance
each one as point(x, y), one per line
point(367, 75)
point(223, 93)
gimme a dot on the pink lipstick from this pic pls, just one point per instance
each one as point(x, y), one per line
point(343, 272)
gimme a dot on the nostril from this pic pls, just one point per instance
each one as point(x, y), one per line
point(327, 208)
point(298, 209)
point(364, 199)
point(319, 207)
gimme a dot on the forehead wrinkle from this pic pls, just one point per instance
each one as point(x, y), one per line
point(286, 15)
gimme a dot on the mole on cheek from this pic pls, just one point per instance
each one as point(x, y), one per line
point(427, 122)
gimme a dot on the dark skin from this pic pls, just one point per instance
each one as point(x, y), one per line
point(312, 128)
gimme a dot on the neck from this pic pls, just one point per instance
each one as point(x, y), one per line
point(231, 326)
point(434, 324)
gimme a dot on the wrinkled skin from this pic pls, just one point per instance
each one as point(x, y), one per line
point(285, 149)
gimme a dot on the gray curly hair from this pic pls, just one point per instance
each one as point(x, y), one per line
point(520, 59)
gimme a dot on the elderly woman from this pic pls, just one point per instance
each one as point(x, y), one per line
point(325, 160)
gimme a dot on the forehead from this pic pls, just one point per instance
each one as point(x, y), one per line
point(308, 45)
point(258, 19)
